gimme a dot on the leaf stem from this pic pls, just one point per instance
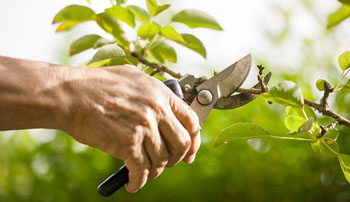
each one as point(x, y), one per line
point(341, 79)
point(293, 138)
point(155, 38)
point(304, 113)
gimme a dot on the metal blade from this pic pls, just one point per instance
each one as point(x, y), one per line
point(221, 85)
point(240, 99)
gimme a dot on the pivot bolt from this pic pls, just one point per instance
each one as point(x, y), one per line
point(187, 88)
point(205, 97)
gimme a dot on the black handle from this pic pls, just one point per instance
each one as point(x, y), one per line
point(114, 182)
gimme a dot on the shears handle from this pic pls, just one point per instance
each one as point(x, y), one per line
point(114, 182)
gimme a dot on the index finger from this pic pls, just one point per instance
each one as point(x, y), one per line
point(189, 119)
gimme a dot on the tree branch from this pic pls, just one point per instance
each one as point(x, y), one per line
point(330, 127)
point(249, 91)
point(261, 78)
point(322, 107)
point(328, 112)
point(327, 90)
point(159, 67)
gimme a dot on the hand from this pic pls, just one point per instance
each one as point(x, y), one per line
point(133, 117)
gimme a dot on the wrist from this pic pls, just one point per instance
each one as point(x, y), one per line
point(33, 94)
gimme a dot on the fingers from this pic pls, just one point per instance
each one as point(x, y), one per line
point(176, 138)
point(157, 152)
point(148, 160)
point(138, 166)
point(190, 121)
point(196, 142)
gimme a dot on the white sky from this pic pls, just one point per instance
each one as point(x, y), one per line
point(26, 30)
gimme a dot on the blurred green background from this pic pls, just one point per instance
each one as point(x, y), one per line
point(46, 165)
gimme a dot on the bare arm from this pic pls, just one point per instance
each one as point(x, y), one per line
point(120, 110)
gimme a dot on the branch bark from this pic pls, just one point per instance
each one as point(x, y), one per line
point(157, 67)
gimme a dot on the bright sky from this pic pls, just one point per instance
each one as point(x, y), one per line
point(26, 30)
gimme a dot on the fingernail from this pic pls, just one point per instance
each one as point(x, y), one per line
point(128, 189)
point(191, 158)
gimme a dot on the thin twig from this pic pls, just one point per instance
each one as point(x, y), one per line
point(327, 90)
point(261, 78)
point(322, 107)
point(159, 67)
point(249, 91)
point(328, 112)
point(154, 72)
point(330, 127)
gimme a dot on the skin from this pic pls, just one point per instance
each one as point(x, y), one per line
point(120, 110)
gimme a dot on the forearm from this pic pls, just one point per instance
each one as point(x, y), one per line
point(32, 94)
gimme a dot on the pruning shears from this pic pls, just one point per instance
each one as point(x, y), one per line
point(217, 93)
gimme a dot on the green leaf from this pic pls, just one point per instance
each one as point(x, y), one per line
point(306, 126)
point(240, 131)
point(296, 111)
point(139, 13)
point(108, 23)
point(337, 17)
point(163, 50)
point(345, 1)
point(122, 14)
point(123, 61)
point(286, 93)
point(120, 2)
point(344, 60)
point(320, 84)
point(194, 43)
point(120, 37)
point(195, 18)
point(293, 123)
point(155, 56)
point(332, 134)
point(100, 63)
point(112, 26)
point(310, 112)
point(65, 26)
point(108, 52)
point(73, 15)
point(169, 32)
point(83, 43)
point(154, 9)
point(329, 148)
point(148, 30)
point(102, 42)
point(161, 9)
point(344, 161)
point(151, 6)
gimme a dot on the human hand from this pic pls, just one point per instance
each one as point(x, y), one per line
point(133, 117)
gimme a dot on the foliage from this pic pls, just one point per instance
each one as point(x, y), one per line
point(298, 121)
point(153, 39)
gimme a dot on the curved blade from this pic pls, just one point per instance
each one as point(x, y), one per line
point(240, 99)
point(222, 85)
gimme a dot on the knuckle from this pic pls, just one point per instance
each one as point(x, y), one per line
point(185, 144)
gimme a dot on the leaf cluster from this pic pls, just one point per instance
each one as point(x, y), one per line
point(154, 42)
point(300, 120)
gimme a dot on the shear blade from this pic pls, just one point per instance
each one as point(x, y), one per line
point(222, 84)
point(241, 99)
